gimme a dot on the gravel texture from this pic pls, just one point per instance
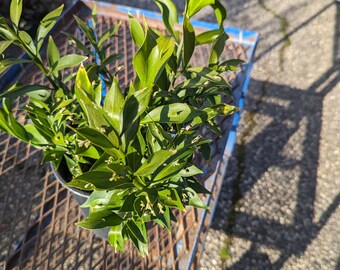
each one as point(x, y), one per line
point(279, 205)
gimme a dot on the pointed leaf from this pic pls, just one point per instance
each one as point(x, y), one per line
point(115, 237)
point(100, 219)
point(15, 11)
point(155, 161)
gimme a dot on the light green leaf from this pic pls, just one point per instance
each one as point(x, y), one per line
point(95, 137)
point(52, 53)
point(17, 91)
point(78, 43)
point(114, 99)
point(194, 199)
point(196, 5)
point(208, 36)
point(171, 198)
point(115, 237)
point(217, 49)
point(4, 45)
point(70, 60)
point(34, 136)
point(15, 12)
point(136, 30)
point(155, 161)
point(27, 39)
point(8, 62)
point(220, 12)
point(174, 113)
point(100, 219)
point(190, 171)
point(108, 34)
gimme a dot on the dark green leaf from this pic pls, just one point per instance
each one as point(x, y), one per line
point(188, 40)
point(95, 137)
point(100, 219)
point(217, 49)
point(108, 34)
point(78, 43)
point(220, 12)
point(136, 229)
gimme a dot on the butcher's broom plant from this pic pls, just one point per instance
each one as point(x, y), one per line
point(131, 148)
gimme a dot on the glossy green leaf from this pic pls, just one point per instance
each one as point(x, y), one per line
point(190, 171)
point(220, 12)
point(52, 52)
point(169, 15)
point(114, 99)
point(27, 39)
point(136, 30)
point(194, 199)
point(196, 5)
point(188, 41)
point(34, 135)
point(96, 137)
point(134, 106)
point(136, 230)
point(217, 48)
point(208, 36)
point(88, 31)
point(47, 24)
point(171, 198)
point(174, 113)
point(115, 237)
point(156, 160)
point(70, 60)
point(100, 219)
point(15, 12)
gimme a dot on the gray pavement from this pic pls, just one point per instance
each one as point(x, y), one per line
point(280, 203)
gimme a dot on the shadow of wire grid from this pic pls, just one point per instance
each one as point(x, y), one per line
point(279, 196)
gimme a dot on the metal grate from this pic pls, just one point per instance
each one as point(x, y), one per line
point(37, 214)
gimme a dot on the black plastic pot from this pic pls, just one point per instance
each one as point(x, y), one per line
point(64, 176)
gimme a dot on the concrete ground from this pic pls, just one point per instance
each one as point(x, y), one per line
point(280, 203)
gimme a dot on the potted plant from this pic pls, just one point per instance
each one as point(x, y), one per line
point(127, 153)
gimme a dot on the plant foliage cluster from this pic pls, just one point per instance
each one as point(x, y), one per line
point(133, 149)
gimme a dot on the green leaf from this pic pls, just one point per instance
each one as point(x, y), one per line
point(220, 12)
point(136, 30)
point(103, 198)
point(52, 53)
point(47, 24)
point(208, 36)
point(194, 199)
point(171, 198)
point(90, 151)
point(108, 34)
point(115, 237)
point(217, 48)
point(188, 40)
point(78, 43)
point(4, 45)
point(17, 91)
point(195, 6)
point(70, 60)
point(169, 15)
point(134, 106)
point(34, 135)
point(114, 99)
point(27, 39)
point(196, 186)
point(15, 12)
point(109, 60)
point(100, 219)
point(174, 113)
point(102, 180)
point(83, 87)
point(137, 230)
point(156, 160)
point(8, 62)
point(190, 171)
point(88, 31)
point(95, 137)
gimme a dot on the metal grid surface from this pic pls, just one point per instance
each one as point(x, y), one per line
point(37, 214)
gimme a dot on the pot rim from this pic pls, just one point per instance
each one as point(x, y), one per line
point(81, 193)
